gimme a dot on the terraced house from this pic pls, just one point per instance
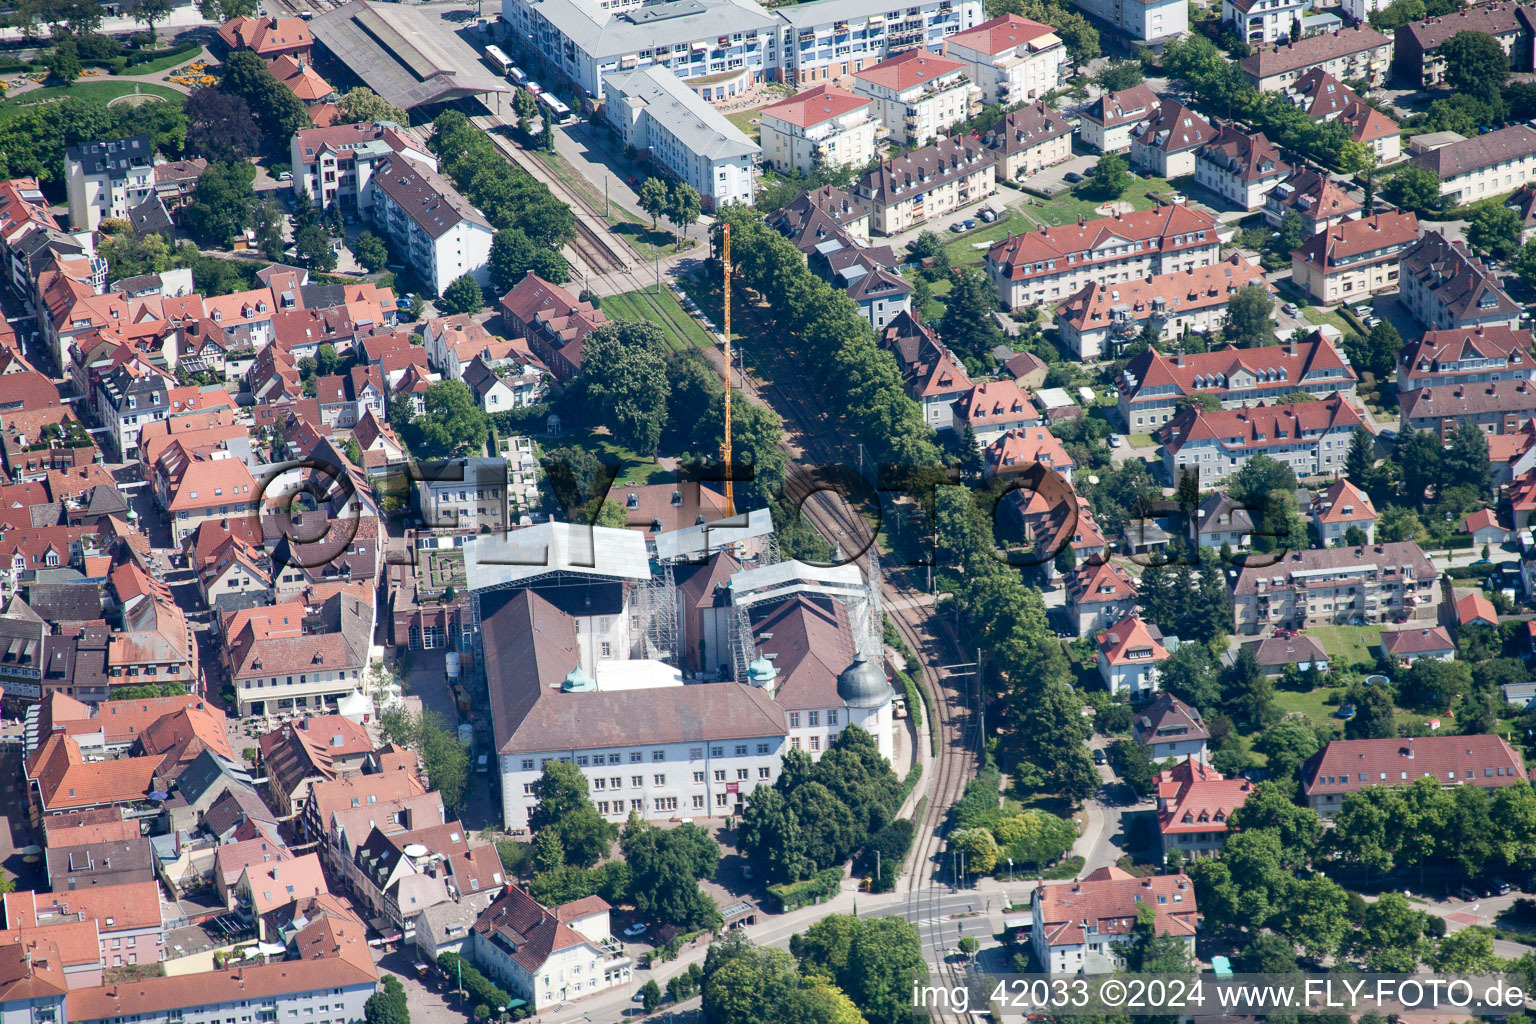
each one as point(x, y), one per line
point(1373, 584)
point(1053, 263)
point(1311, 438)
point(1360, 52)
point(1152, 383)
point(1485, 165)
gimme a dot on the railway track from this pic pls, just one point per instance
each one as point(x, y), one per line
point(594, 246)
point(956, 757)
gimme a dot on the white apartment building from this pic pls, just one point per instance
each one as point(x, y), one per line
point(1312, 438)
point(1054, 263)
point(548, 957)
point(439, 232)
point(1361, 10)
point(463, 494)
point(657, 114)
point(725, 46)
point(1239, 167)
point(822, 127)
point(1011, 59)
point(1492, 164)
point(337, 162)
point(918, 95)
point(104, 180)
point(831, 39)
point(1144, 21)
point(1079, 926)
point(1265, 21)
point(1130, 652)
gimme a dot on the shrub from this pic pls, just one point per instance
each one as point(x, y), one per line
point(821, 886)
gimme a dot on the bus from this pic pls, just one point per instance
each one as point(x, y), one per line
point(498, 60)
point(558, 112)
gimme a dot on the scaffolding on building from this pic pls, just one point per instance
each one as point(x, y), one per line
point(654, 603)
point(859, 594)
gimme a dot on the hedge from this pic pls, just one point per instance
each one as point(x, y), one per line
point(1469, 572)
point(818, 888)
point(145, 56)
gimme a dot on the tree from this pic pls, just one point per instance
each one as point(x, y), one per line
point(1494, 228)
point(1475, 64)
point(444, 758)
point(218, 125)
point(1431, 685)
point(1466, 462)
point(388, 1004)
point(1269, 807)
point(653, 198)
point(977, 848)
point(968, 325)
point(463, 295)
point(665, 866)
point(363, 104)
point(1110, 176)
point(149, 12)
point(683, 208)
point(1189, 675)
point(371, 251)
point(1134, 765)
point(1391, 934)
point(1119, 74)
point(564, 811)
point(267, 222)
point(883, 963)
point(221, 204)
point(312, 245)
point(1525, 262)
point(276, 110)
point(1287, 745)
point(650, 996)
point(623, 378)
point(1292, 233)
point(1373, 714)
point(1379, 350)
point(1468, 952)
point(1415, 188)
point(514, 254)
point(771, 835)
point(1249, 694)
point(1187, 494)
point(1249, 320)
point(574, 474)
point(64, 62)
point(525, 107)
point(452, 422)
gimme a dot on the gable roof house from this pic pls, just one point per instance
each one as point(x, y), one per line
point(444, 234)
point(1239, 167)
point(1129, 654)
point(1099, 594)
point(1108, 121)
point(1354, 258)
point(1079, 925)
point(268, 38)
point(1405, 646)
point(1314, 197)
point(541, 959)
point(1347, 54)
point(1467, 356)
point(1168, 727)
point(1194, 802)
point(1166, 143)
point(1324, 98)
point(934, 377)
point(906, 191)
point(994, 408)
point(1341, 506)
point(552, 320)
point(1502, 407)
point(1028, 140)
point(1311, 438)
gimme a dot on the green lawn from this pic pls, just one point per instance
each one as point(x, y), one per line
point(1347, 645)
point(743, 120)
point(682, 330)
point(633, 468)
point(166, 63)
point(1312, 704)
point(1317, 316)
point(1068, 206)
point(104, 91)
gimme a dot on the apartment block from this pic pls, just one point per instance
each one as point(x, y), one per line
point(832, 39)
point(1011, 59)
point(1466, 356)
point(822, 127)
point(1485, 165)
point(906, 191)
point(918, 95)
point(1347, 54)
point(1446, 287)
point(1323, 586)
point(104, 180)
point(1354, 259)
point(1311, 438)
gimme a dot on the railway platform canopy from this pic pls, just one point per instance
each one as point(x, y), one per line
point(404, 54)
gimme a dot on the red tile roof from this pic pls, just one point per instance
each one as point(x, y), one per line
point(1347, 766)
point(1417, 641)
point(1020, 447)
point(1186, 291)
point(996, 401)
point(1343, 502)
point(1476, 608)
point(913, 67)
point(1129, 642)
point(1192, 797)
point(1380, 236)
point(1263, 426)
point(1005, 32)
point(1280, 365)
point(1099, 582)
point(114, 908)
point(66, 780)
point(814, 106)
point(1110, 898)
point(1157, 229)
point(1481, 520)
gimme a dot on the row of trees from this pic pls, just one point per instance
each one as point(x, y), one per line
point(509, 197)
point(820, 813)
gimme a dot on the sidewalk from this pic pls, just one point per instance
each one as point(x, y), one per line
point(180, 18)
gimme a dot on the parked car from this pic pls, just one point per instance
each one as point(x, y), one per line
point(1115, 440)
point(957, 227)
point(1073, 177)
point(1098, 755)
point(638, 928)
point(989, 215)
point(1291, 309)
point(1179, 198)
point(1362, 310)
point(1499, 885)
point(1466, 893)
point(1372, 321)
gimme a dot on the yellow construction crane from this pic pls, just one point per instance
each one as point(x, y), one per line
point(725, 445)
